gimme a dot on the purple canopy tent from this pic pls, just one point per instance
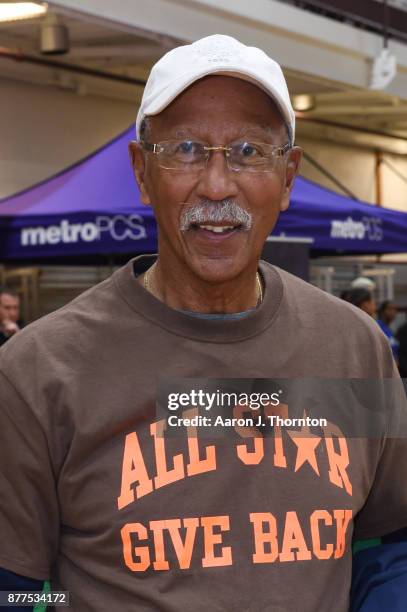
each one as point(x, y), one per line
point(93, 208)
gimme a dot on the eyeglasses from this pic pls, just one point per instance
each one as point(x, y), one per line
point(190, 156)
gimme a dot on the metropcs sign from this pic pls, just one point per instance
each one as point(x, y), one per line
point(131, 227)
point(369, 228)
point(118, 227)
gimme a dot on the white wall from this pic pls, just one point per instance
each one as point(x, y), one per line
point(356, 169)
point(43, 130)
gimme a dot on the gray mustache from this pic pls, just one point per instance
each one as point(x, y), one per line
point(220, 211)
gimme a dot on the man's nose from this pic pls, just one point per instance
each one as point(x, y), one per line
point(216, 181)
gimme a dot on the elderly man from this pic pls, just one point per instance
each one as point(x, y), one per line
point(97, 494)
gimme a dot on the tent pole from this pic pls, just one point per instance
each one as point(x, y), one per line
point(378, 174)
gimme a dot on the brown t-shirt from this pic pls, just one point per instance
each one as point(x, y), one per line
point(96, 499)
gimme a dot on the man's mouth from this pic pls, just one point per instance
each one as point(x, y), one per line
point(218, 228)
point(215, 221)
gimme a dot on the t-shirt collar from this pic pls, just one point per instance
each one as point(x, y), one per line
point(205, 330)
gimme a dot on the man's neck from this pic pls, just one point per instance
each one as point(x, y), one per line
point(189, 293)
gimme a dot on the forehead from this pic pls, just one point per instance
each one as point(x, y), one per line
point(7, 300)
point(220, 103)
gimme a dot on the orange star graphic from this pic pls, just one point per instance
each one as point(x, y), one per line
point(306, 446)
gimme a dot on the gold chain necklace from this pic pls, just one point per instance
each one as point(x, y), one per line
point(260, 288)
point(147, 286)
point(146, 281)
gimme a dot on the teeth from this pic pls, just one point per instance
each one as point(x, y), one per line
point(217, 229)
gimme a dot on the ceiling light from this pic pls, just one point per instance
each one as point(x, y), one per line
point(303, 102)
point(54, 36)
point(12, 11)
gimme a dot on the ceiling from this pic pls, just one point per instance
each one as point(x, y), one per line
point(109, 60)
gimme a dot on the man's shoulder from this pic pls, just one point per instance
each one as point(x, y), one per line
point(315, 307)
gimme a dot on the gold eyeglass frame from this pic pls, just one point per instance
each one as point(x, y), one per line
point(154, 148)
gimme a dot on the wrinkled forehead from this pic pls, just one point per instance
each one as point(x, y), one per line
point(220, 103)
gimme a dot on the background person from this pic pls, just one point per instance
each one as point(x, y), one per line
point(362, 298)
point(10, 322)
point(386, 314)
point(402, 352)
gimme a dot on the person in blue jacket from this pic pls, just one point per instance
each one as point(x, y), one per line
point(386, 314)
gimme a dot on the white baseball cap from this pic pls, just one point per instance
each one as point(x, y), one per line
point(216, 54)
point(363, 282)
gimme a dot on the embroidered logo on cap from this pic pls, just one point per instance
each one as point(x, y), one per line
point(219, 51)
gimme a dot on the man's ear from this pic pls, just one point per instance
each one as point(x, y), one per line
point(291, 171)
point(138, 161)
